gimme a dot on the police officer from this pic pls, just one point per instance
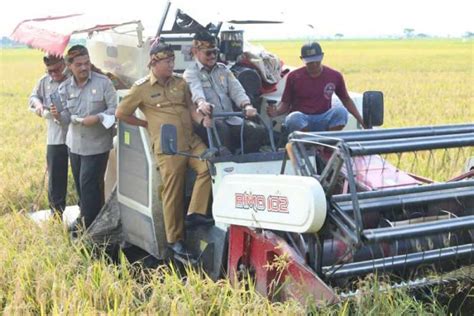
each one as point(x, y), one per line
point(89, 100)
point(56, 150)
point(164, 98)
point(214, 86)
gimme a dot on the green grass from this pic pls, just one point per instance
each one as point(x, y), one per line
point(43, 272)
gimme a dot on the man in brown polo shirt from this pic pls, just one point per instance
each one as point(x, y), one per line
point(164, 98)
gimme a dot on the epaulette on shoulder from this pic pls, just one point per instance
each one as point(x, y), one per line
point(142, 80)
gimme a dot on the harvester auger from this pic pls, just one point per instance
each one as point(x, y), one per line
point(379, 218)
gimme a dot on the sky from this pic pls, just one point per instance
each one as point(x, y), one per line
point(310, 18)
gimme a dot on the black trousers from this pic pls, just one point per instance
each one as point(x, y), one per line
point(255, 136)
point(88, 173)
point(57, 161)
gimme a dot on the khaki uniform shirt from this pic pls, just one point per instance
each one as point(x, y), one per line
point(168, 104)
point(218, 87)
point(46, 86)
point(96, 97)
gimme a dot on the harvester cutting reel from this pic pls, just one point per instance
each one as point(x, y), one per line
point(353, 209)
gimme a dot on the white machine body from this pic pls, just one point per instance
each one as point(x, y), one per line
point(277, 202)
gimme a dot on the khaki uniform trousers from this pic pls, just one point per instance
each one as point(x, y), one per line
point(173, 171)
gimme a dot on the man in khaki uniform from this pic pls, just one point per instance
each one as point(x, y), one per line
point(164, 98)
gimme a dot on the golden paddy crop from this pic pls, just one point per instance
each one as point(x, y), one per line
point(43, 272)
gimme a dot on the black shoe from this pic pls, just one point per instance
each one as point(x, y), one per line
point(76, 228)
point(179, 248)
point(181, 253)
point(196, 219)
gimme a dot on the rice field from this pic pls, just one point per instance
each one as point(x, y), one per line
point(42, 271)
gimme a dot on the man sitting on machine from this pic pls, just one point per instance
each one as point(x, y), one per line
point(308, 94)
point(215, 89)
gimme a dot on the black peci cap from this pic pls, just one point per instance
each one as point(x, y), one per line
point(50, 59)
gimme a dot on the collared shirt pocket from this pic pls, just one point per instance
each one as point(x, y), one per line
point(221, 81)
point(97, 102)
point(209, 91)
point(72, 104)
point(47, 100)
point(176, 94)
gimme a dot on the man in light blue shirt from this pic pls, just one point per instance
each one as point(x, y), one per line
point(56, 150)
point(89, 101)
point(214, 86)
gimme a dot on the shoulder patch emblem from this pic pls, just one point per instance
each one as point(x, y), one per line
point(142, 80)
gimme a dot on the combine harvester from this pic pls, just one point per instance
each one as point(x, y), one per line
point(348, 211)
point(345, 209)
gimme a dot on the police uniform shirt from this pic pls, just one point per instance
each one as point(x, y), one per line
point(46, 86)
point(218, 87)
point(96, 97)
point(163, 104)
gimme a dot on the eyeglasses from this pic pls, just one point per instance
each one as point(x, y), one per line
point(210, 52)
